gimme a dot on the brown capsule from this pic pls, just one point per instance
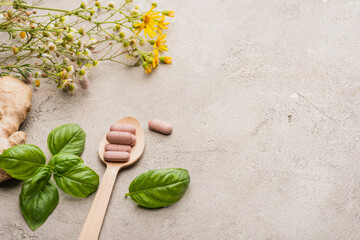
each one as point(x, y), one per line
point(119, 137)
point(117, 147)
point(123, 128)
point(113, 156)
point(160, 126)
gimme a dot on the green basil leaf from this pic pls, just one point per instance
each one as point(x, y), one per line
point(37, 208)
point(73, 177)
point(64, 161)
point(68, 138)
point(22, 161)
point(159, 187)
point(38, 181)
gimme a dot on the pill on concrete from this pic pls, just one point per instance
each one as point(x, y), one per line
point(160, 126)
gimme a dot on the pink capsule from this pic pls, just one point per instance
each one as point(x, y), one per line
point(117, 147)
point(119, 137)
point(160, 126)
point(112, 156)
point(133, 141)
point(123, 128)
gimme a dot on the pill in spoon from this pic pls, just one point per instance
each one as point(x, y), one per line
point(123, 128)
point(119, 137)
point(133, 141)
point(117, 147)
point(112, 156)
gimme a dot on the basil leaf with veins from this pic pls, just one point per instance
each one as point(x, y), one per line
point(22, 161)
point(68, 138)
point(38, 181)
point(37, 208)
point(72, 176)
point(159, 187)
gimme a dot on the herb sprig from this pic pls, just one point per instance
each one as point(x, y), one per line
point(62, 45)
point(39, 195)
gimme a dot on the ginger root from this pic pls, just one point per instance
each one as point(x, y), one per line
point(15, 104)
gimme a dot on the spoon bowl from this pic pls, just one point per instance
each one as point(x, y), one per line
point(136, 151)
point(95, 218)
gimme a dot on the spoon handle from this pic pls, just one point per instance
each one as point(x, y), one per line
point(94, 220)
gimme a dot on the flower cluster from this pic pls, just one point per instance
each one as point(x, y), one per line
point(153, 24)
point(63, 45)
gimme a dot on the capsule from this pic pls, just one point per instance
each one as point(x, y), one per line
point(117, 147)
point(123, 128)
point(160, 126)
point(113, 156)
point(119, 137)
point(133, 141)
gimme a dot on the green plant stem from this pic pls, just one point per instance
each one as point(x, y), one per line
point(41, 8)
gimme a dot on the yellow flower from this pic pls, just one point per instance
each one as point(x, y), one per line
point(159, 43)
point(168, 60)
point(162, 24)
point(15, 50)
point(146, 67)
point(22, 35)
point(165, 59)
point(156, 58)
point(37, 83)
point(168, 13)
point(149, 23)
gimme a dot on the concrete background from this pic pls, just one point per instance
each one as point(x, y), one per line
point(264, 97)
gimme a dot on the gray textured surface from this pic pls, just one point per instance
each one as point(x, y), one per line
point(264, 96)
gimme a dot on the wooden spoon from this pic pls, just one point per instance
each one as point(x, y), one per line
point(94, 220)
